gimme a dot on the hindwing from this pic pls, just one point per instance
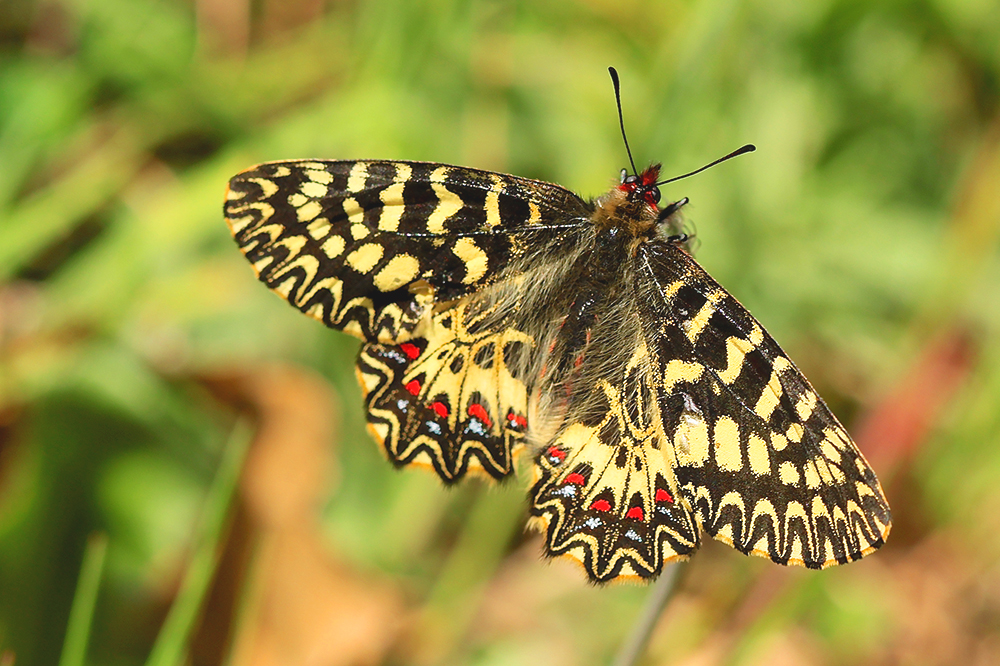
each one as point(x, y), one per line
point(604, 494)
point(449, 398)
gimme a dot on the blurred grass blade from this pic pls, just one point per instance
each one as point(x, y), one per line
point(171, 643)
point(81, 614)
point(450, 610)
point(54, 211)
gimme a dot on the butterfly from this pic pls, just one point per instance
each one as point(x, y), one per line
point(502, 315)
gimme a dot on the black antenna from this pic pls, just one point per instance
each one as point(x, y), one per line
point(621, 121)
point(749, 148)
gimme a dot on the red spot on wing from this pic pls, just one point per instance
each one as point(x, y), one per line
point(635, 512)
point(517, 420)
point(477, 410)
point(558, 454)
point(410, 349)
point(440, 409)
point(413, 387)
point(600, 505)
point(663, 496)
point(575, 479)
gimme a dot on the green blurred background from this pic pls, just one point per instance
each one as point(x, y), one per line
point(141, 364)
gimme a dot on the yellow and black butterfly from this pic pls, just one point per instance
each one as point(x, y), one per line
point(502, 314)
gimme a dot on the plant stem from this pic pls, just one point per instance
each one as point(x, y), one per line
point(661, 593)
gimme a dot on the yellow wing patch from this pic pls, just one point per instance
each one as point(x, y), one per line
point(603, 493)
point(448, 399)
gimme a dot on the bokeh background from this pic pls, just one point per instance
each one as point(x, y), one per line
point(184, 471)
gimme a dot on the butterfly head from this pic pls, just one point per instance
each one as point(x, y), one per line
point(642, 187)
point(631, 206)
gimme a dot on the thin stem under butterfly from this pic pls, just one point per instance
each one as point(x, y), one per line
point(635, 645)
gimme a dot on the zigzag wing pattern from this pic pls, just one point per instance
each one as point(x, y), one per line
point(604, 494)
point(449, 399)
point(501, 313)
point(760, 459)
point(367, 246)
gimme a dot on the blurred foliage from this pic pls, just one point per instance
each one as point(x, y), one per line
point(863, 234)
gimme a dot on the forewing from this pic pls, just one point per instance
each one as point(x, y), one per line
point(368, 246)
point(758, 456)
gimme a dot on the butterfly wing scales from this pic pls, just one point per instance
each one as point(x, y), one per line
point(448, 399)
point(367, 246)
point(603, 494)
point(695, 419)
point(371, 248)
point(724, 426)
point(759, 457)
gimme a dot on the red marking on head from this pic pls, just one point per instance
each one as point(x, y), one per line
point(558, 454)
point(411, 350)
point(663, 496)
point(635, 512)
point(600, 505)
point(413, 387)
point(646, 179)
point(477, 410)
point(440, 409)
point(575, 479)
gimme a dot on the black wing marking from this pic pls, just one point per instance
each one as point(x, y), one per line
point(759, 457)
point(367, 246)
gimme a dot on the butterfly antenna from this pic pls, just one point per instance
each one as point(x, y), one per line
point(621, 120)
point(749, 148)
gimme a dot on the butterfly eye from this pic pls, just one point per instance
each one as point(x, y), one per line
point(653, 195)
point(629, 180)
point(624, 175)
